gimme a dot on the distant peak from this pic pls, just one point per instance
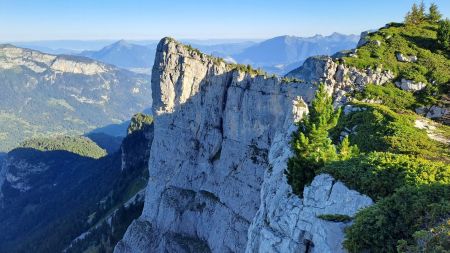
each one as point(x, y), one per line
point(7, 46)
point(122, 42)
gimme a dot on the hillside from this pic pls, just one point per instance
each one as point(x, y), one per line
point(46, 94)
point(74, 144)
point(51, 193)
point(411, 53)
point(381, 142)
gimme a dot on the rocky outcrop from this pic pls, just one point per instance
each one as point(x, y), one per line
point(340, 78)
point(13, 57)
point(218, 155)
point(402, 58)
point(436, 112)
point(364, 38)
point(289, 224)
point(410, 85)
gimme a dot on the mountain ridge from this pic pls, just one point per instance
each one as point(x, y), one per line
point(39, 88)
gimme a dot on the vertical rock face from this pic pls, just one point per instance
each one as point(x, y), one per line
point(217, 160)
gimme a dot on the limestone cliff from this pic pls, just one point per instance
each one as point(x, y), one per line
point(217, 162)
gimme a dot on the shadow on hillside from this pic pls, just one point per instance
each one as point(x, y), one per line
point(116, 130)
point(51, 189)
point(107, 142)
point(424, 43)
point(119, 129)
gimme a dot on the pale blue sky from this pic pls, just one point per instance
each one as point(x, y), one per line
point(201, 19)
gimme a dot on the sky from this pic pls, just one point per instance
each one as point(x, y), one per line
point(31, 20)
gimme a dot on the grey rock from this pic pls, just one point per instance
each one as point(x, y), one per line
point(410, 85)
point(364, 39)
point(403, 58)
point(286, 224)
point(217, 161)
point(339, 78)
point(213, 128)
point(437, 112)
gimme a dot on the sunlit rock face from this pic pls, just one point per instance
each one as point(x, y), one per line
point(218, 158)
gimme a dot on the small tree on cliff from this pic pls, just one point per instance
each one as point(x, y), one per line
point(310, 144)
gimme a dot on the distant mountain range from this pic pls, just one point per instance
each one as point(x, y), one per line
point(281, 54)
point(48, 94)
point(125, 55)
point(277, 55)
point(140, 58)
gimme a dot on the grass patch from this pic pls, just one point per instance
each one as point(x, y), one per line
point(432, 66)
point(379, 128)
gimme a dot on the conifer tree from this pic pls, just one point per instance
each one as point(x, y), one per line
point(416, 15)
point(434, 14)
point(346, 151)
point(311, 145)
point(443, 34)
point(421, 14)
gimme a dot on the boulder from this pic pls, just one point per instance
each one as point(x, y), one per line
point(410, 85)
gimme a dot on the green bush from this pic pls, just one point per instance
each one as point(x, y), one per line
point(390, 95)
point(379, 174)
point(139, 121)
point(378, 128)
point(380, 227)
point(443, 34)
point(435, 239)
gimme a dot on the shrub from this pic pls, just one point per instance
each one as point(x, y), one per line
point(443, 34)
point(390, 95)
point(435, 239)
point(379, 174)
point(378, 128)
point(139, 121)
point(380, 227)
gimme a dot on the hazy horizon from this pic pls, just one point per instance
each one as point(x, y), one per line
point(25, 21)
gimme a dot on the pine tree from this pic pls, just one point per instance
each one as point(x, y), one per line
point(310, 144)
point(443, 34)
point(434, 14)
point(346, 151)
point(408, 18)
point(416, 15)
point(421, 14)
